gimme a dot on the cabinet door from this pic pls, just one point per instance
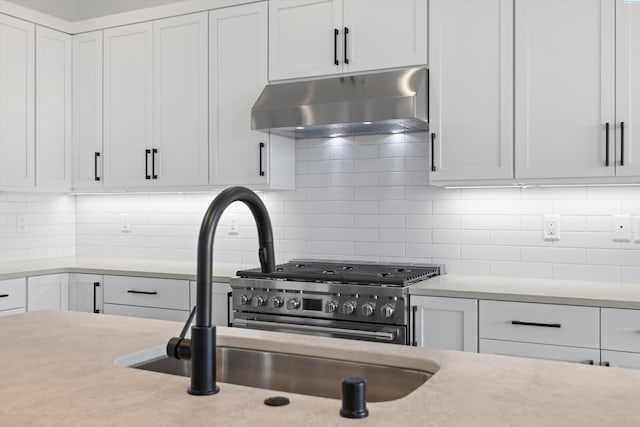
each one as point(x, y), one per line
point(620, 359)
point(180, 99)
point(85, 292)
point(87, 110)
point(628, 88)
point(447, 323)
point(384, 34)
point(50, 292)
point(53, 109)
point(220, 302)
point(471, 89)
point(564, 87)
point(146, 312)
point(128, 105)
point(238, 73)
point(302, 38)
point(17, 102)
point(589, 356)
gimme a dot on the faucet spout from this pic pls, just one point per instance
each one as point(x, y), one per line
point(202, 346)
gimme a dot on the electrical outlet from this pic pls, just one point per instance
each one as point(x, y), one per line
point(233, 224)
point(621, 228)
point(22, 226)
point(636, 229)
point(125, 223)
point(551, 227)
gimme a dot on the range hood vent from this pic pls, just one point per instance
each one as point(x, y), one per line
point(386, 102)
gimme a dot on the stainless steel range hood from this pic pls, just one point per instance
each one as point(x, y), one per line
point(386, 102)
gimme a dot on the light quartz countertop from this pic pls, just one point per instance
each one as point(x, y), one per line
point(552, 291)
point(573, 292)
point(184, 270)
point(57, 368)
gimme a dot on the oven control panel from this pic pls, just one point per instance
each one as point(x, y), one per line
point(343, 306)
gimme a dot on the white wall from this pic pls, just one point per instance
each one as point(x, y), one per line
point(365, 198)
point(50, 221)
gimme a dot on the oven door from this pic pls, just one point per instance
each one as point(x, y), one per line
point(395, 334)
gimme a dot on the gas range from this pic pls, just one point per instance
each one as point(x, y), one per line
point(357, 300)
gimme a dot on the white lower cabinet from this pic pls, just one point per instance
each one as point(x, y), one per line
point(12, 296)
point(446, 323)
point(543, 331)
point(85, 292)
point(220, 303)
point(48, 292)
point(154, 298)
point(620, 338)
point(589, 356)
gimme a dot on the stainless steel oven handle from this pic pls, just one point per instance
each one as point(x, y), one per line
point(383, 336)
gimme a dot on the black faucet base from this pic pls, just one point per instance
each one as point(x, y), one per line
point(203, 361)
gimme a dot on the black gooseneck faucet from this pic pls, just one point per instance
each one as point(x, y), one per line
point(201, 348)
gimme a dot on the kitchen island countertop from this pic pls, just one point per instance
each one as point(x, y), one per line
point(57, 368)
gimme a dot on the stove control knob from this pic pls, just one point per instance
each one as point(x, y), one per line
point(243, 300)
point(331, 307)
point(368, 309)
point(258, 301)
point(349, 307)
point(293, 304)
point(276, 302)
point(387, 310)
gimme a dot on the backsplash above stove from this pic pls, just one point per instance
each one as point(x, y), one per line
point(364, 198)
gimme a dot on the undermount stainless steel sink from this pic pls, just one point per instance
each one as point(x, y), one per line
point(292, 373)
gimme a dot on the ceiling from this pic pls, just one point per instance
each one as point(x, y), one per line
point(78, 10)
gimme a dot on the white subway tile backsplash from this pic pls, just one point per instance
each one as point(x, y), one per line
point(362, 197)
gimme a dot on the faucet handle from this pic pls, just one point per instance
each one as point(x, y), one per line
point(179, 347)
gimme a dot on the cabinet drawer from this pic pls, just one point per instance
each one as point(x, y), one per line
point(12, 311)
point(12, 294)
point(540, 323)
point(146, 312)
point(589, 356)
point(147, 292)
point(620, 359)
point(621, 329)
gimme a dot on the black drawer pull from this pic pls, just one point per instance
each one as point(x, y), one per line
point(335, 46)
point(261, 149)
point(146, 164)
point(621, 143)
point(95, 304)
point(95, 166)
point(4, 295)
point(544, 325)
point(433, 152)
point(606, 154)
point(133, 291)
point(346, 35)
point(153, 163)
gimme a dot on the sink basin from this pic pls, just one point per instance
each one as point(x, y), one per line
point(308, 375)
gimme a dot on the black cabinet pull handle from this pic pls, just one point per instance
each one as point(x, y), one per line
point(589, 362)
point(544, 325)
point(133, 291)
point(413, 338)
point(621, 143)
point(607, 364)
point(95, 305)
point(4, 295)
point(346, 34)
point(433, 152)
point(335, 46)
point(146, 164)
point(95, 166)
point(606, 154)
point(153, 163)
point(261, 148)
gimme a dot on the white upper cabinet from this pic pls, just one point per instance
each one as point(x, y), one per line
point(17, 102)
point(180, 55)
point(383, 34)
point(627, 128)
point(564, 88)
point(87, 111)
point(323, 37)
point(237, 75)
point(471, 89)
point(128, 105)
point(53, 109)
point(304, 38)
